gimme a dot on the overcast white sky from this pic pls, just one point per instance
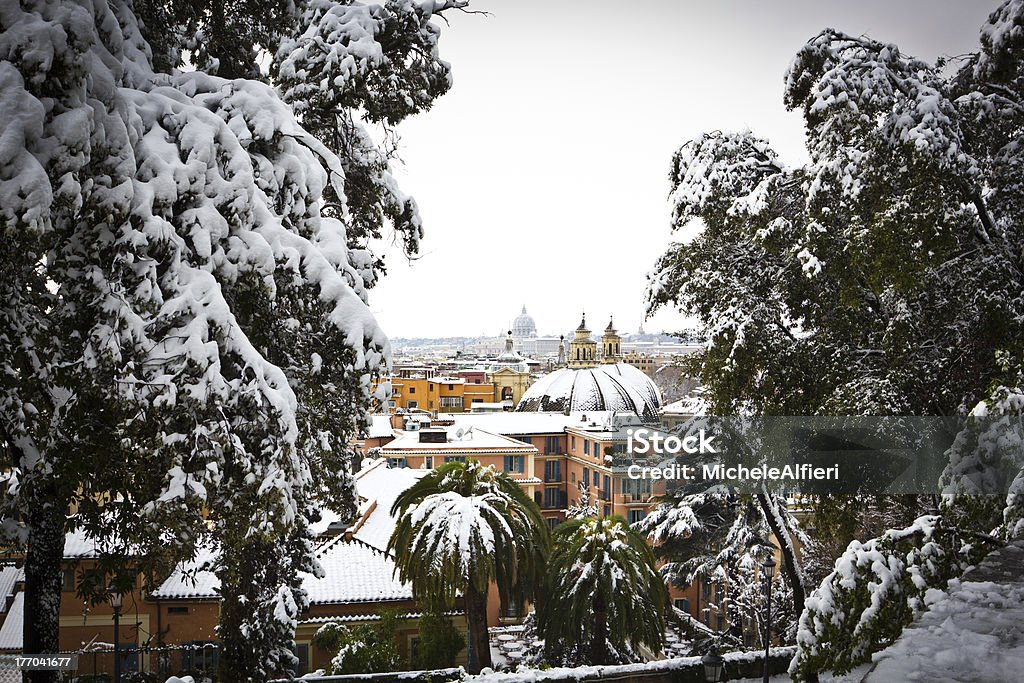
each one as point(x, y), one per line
point(542, 175)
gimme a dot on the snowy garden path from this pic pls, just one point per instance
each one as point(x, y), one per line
point(972, 632)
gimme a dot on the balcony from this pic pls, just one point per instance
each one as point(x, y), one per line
point(633, 498)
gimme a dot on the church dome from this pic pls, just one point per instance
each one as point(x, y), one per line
point(523, 325)
point(619, 387)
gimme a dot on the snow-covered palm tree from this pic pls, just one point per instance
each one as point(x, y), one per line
point(461, 528)
point(604, 595)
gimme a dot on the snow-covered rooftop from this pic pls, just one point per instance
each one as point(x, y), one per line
point(691, 405)
point(379, 485)
point(380, 427)
point(461, 440)
point(528, 423)
point(355, 572)
point(190, 581)
point(79, 545)
point(9, 575)
point(11, 631)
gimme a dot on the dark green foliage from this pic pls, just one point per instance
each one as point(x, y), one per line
point(461, 528)
point(440, 642)
point(364, 648)
point(884, 277)
point(604, 595)
point(877, 589)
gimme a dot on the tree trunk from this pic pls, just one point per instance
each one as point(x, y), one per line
point(599, 642)
point(43, 583)
point(788, 559)
point(476, 615)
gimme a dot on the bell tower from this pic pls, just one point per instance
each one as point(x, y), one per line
point(610, 352)
point(582, 348)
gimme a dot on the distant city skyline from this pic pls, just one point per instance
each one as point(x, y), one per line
point(595, 324)
point(542, 176)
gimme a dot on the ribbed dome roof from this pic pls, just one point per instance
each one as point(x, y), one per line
point(619, 387)
point(523, 325)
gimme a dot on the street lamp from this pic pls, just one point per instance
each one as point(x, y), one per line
point(768, 572)
point(114, 598)
point(714, 665)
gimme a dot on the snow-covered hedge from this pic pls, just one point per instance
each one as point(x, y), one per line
point(875, 590)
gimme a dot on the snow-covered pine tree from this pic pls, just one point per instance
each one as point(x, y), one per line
point(883, 277)
point(184, 324)
point(718, 537)
point(584, 505)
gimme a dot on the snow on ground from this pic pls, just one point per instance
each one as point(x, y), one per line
point(974, 631)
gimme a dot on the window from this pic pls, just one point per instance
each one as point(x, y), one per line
point(586, 476)
point(606, 490)
point(428, 462)
point(302, 653)
point(455, 458)
point(515, 464)
point(506, 393)
point(683, 604)
point(553, 470)
point(69, 581)
point(451, 401)
point(607, 511)
point(396, 463)
point(573, 440)
point(430, 387)
point(413, 404)
point(553, 498)
point(451, 387)
point(199, 655)
point(477, 400)
point(720, 621)
point(636, 515)
point(597, 479)
point(552, 523)
point(638, 489)
point(177, 610)
point(586, 447)
point(524, 439)
point(414, 648)
point(572, 477)
point(412, 390)
point(550, 445)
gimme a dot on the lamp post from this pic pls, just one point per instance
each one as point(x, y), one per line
point(115, 598)
point(768, 572)
point(714, 665)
